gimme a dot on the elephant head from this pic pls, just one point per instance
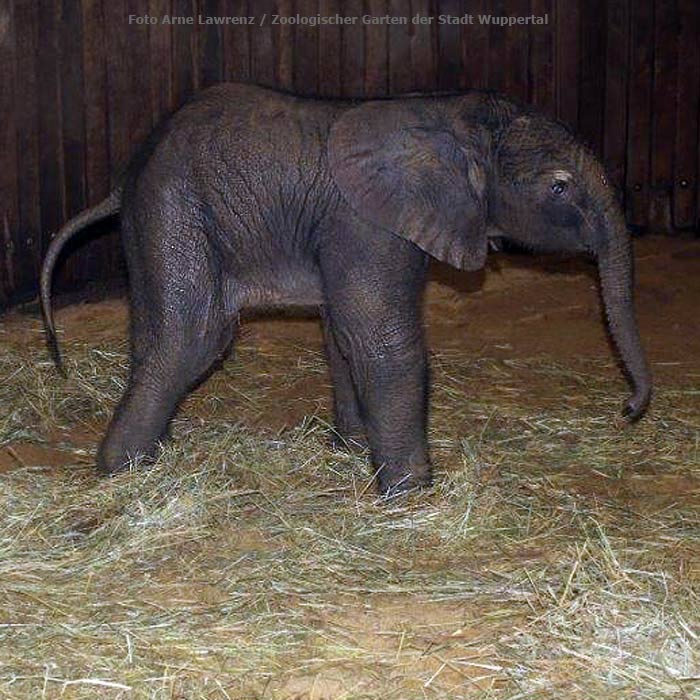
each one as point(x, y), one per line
point(447, 173)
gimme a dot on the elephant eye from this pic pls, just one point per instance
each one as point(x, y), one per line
point(559, 187)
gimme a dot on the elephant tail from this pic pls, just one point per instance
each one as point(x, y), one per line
point(108, 206)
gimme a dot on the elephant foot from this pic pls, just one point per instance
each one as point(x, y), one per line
point(398, 480)
point(113, 468)
point(111, 462)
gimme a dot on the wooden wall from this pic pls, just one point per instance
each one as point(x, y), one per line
point(80, 87)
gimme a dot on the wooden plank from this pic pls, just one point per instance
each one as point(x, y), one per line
point(185, 51)
point(497, 56)
point(284, 41)
point(449, 46)
point(376, 51)
point(475, 47)
point(211, 64)
point(50, 129)
point(685, 169)
point(306, 50)
point(139, 79)
point(262, 43)
point(237, 44)
point(424, 47)
point(400, 73)
point(329, 51)
point(95, 77)
point(72, 105)
point(517, 38)
point(118, 86)
point(567, 60)
point(128, 84)
point(120, 103)
point(616, 73)
point(542, 79)
point(592, 73)
point(664, 104)
point(26, 28)
point(101, 253)
point(160, 39)
point(73, 127)
point(353, 51)
point(639, 114)
point(9, 202)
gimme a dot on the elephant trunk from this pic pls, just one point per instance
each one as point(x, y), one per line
point(616, 270)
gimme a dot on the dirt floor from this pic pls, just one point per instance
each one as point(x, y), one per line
point(525, 573)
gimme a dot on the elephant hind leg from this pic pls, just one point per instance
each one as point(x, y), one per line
point(179, 328)
point(179, 355)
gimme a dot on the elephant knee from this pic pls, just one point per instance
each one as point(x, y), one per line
point(387, 340)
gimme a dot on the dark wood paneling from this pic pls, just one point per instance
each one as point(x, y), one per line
point(592, 73)
point(236, 43)
point(27, 248)
point(376, 51)
point(211, 61)
point(185, 51)
point(515, 69)
point(129, 83)
point(541, 77)
point(475, 47)
point(616, 72)
point(73, 123)
point(664, 93)
point(640, 110)
point(568, 60)
point(72, 105)
point(119, 100)
point(329, 51)
point(400, 72)
point(84, 87)
point(96, 103)
point(9, 205)
point(160, 39)
point(139, 78)
point(50, 130)
point(353, 52)
point(262, 48)
point(498, 68)
point(306, 50)
point(687, 151)
point(100, 254)
point(284, 46)
point(423, 49)
point(449, 46)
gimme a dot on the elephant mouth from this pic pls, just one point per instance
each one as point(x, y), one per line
point(495, 237)
point(496, 244)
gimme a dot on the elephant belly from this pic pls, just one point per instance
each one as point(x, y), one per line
point(275, 289)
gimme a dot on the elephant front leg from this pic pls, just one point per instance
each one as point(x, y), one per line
point(373, 290)
point(349, 427)
point(393, 391)
point(390, 373)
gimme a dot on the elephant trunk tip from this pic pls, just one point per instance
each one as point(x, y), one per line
point(637, 404)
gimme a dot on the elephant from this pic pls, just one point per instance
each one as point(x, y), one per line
point(247, 198)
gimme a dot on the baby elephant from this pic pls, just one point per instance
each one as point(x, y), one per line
point(247, 198)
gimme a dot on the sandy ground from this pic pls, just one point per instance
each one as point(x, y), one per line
point(518, 309)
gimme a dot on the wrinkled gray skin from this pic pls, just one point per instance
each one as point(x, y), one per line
point(250, 198)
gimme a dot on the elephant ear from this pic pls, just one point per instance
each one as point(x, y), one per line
point(406, 170)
